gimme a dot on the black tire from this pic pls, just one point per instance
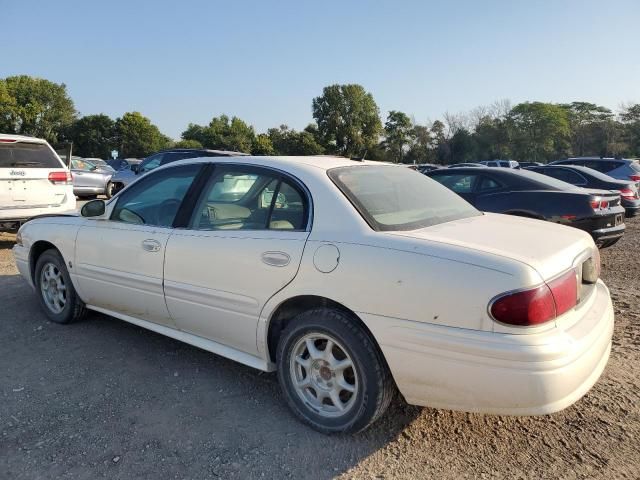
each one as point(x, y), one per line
point(375, 387)
point(74, 308)
point(108, 191)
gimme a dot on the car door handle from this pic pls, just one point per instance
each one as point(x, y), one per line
point(276, 259)
point(151, 245)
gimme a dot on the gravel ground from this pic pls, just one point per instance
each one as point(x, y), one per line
point(103, 398)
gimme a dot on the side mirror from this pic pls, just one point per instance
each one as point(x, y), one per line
point(135, 168)
point(94, 208)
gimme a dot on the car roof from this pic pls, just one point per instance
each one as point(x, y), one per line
point(221, 152)
point(606, 159)
point(21, 138)
point(580, 168)
point(289, 163)
point(525, 177)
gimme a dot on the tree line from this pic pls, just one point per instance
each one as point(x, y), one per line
point(346, 122)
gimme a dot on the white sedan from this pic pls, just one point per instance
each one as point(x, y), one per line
point(351, 279)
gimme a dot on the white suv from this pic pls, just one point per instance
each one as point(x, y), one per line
point(33, 181)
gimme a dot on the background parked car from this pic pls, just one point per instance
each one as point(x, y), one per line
point(123, 178)
point(501, 163)
point(530, 194)
point(620, 168)
point(530, 164)
point(462, 165)
point(89, 179)
point(590, 178)
point(124, 163)
point(98, 162)
point(33, 181)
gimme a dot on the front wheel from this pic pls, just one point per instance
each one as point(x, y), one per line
point(55, 291)
point(109, 190)
point(331, 372)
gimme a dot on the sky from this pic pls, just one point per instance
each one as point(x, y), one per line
point(264, 61)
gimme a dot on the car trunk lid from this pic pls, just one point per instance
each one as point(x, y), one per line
point(547, 247)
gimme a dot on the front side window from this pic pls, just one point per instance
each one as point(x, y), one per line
point(77, 164)
point(398, 198)
point(459, 183)
point(155, 199)
point(488, 185)
point(250, 199)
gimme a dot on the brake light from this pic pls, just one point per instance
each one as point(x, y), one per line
point(635, 178)
point(629, 194)
point(538, 305)
point(60, 178)
point(595, 203)
point(7, 140)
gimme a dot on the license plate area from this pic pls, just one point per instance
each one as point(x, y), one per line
point(618, 220)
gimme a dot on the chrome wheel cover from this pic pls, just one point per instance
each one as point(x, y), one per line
point(323, 375)
point(53, 288)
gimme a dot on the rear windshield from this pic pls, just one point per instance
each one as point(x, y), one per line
point(398, 198)
point(28, 155)
point(538, 180)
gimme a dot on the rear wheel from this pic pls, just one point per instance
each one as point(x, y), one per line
point(55, 291)
point(332, 374)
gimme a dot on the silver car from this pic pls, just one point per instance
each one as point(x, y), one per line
point(90, 179)
point(618, 168)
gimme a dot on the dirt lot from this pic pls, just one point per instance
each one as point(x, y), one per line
point(107, 399)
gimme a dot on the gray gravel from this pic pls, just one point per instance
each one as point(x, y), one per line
point(103, 398)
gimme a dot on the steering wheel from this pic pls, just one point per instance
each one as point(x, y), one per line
point(167, 211)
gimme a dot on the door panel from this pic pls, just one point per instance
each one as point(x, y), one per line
point(217, 282)
point(118, 272)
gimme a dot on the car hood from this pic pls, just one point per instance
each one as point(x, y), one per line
point(547, 247)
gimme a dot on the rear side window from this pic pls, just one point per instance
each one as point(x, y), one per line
point(602, 165)
point(28, 155)
point(566, 176)
point(459, 183)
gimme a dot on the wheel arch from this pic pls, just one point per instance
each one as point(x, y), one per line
point(37, 249)
point(287, 310)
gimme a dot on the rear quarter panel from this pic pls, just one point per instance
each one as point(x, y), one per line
point(547, 205)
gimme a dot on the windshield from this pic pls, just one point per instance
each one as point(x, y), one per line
point(398, 198)
point(30, 155)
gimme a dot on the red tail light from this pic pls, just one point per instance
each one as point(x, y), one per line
point(635, 178)
point(538, 305)
point(58, 178)
point(629, 194)
point(7, 140)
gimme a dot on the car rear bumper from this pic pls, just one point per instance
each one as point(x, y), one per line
point(606, 234)
point(505, 374)
point(11, 219)
point(89, 190)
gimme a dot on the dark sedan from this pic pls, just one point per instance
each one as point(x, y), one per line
point(590, 178)
point(530, 194)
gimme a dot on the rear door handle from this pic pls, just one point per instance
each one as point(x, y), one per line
point(151, 245)
point(276, 259)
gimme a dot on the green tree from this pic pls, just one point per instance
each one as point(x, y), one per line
point(540, 131)
point(187, 144)
point(492, 139)
point(421, 150)
point(398, 132)
point(590, 128)
point(287, 141)
point(222, 133)
point(348, 119)
point(35, 106)
point(93, 136)
point(262, 145)
point(138, 137)
point(630, 117)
